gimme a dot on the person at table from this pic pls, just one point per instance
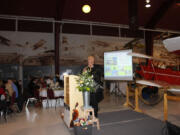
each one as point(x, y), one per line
point(2, 90)
point(33, 87)
point(3, 103)
point(56, 81)
point(42, 82)
point(9, 88)
point(14, 87)
point(97, 95)
point(18, 99)
point(59, 82)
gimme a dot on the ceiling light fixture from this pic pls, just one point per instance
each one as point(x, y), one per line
point(147, 5)
point(178, 2)
point(86, 9)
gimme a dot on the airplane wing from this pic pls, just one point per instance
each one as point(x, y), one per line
point(139, 55)
point(172, 44)
point(172, 88)
point(175, 91)
point(149, 83)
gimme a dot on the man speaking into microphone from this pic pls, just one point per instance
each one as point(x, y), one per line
point(97, 72)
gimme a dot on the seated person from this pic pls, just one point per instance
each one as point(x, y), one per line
point(9, 88)
point(3, 102)
point(42, 82)
point(2, 91)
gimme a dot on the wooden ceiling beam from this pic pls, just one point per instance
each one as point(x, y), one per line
point(160, 12)
point(156, 17)
point(133, 16)
point(60, 4)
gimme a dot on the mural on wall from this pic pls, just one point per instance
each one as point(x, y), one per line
point(30, 47)
point(76, 48)
point(35, 48)
point(161, 52)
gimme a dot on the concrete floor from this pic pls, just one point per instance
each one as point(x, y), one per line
point(114, 103)
point(38, 121)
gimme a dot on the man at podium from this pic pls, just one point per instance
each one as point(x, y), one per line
point(97, 72)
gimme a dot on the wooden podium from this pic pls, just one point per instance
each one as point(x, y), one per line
point(71, 96)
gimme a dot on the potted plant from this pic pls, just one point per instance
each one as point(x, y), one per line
point(86, 84)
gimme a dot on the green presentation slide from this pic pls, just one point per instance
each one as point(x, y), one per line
point(117, 64)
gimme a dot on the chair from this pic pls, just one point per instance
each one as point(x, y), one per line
point(36, 97)
point(30, 100)
point(43, 96)
point(13, 102)
point(57, 98)
point(3, 109)
point(50, 94)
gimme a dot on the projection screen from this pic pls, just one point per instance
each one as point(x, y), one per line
point(118, 65)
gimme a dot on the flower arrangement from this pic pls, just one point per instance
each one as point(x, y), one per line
point(86, 82)
point(83, 126)
point(82, 121)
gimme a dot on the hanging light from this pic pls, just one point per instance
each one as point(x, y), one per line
point(86, 9)
point(178, 2)
point(148, 5)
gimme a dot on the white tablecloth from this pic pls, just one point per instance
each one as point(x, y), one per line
point(43, 93)
point(52, 102)
point(57, 93)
